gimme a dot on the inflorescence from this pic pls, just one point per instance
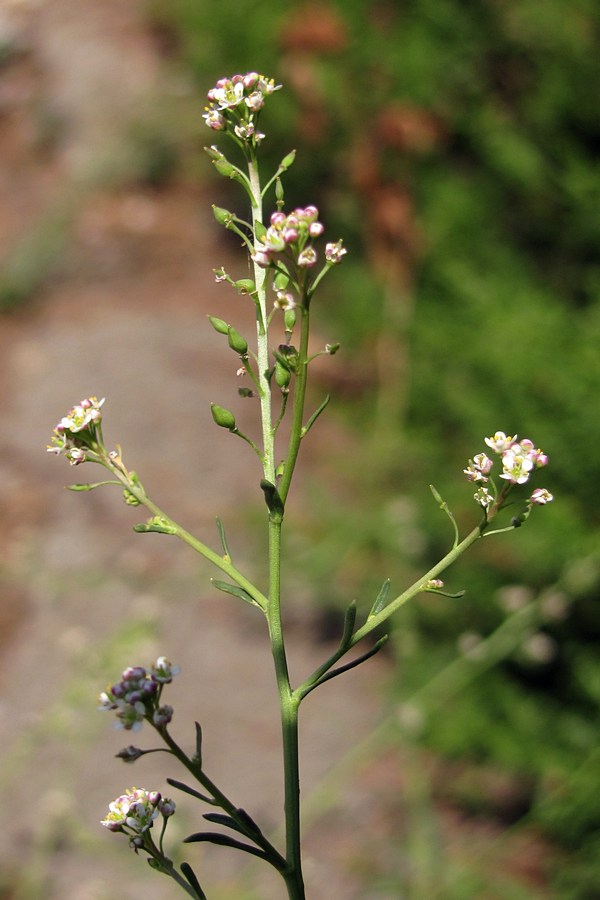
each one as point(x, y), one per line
point(136, 697)
point(519, 460)
point(234, 105)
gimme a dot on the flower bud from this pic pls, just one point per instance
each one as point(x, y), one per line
point(223, 418)
point(236, 341)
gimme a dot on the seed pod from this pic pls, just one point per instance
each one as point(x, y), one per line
point(219, 325)
point(236, 341)
point(223, 418)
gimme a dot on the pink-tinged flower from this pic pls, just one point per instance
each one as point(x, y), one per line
point(482, 463)
point(500, 441)
point(285, 301)
point(541, 496)
point(255, 101)
point(516, 467)
point(307, 258)
point(474, 474)
point(214, 119)
point(334, 253)
point(163, 670)
point(483, 497)
point(134, 811)
point(162, 716)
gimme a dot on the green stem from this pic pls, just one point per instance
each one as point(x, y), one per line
point(262, 335)
point(223, 801)
point(222, 563)
point(297, 430)
point(288, 704)
point(379, 618)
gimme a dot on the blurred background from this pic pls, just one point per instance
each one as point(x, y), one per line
point(455, 148)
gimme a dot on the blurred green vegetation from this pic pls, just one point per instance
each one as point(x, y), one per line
point(455, 148)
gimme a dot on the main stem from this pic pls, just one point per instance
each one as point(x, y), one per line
point(288, 704)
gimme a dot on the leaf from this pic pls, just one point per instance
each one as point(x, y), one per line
point(213, 837)
point(382, 598)
point(349, 620)
point(190, 790)
point(227, 821)
point(198, 758)
point(191, 878)
point(233, 589)
point(90, 487)
point(221, 531)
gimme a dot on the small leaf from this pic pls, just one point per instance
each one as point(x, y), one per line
point(227, 821)
point(235, 591)
point(221, 531)
point(273, 500)
point(198, 756)
point(349, 620)
point(382, 598)
point(223, 840)
point(189, 873)
point(315, 416)
point(190, 790)
point(89, 487)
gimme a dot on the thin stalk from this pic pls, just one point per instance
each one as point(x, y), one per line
point(262, 337)
point(222, 563)
point(289, 721)
point(297, 430)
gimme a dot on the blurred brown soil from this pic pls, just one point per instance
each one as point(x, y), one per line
point(122, 315)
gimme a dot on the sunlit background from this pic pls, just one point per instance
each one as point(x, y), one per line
point(454, 147)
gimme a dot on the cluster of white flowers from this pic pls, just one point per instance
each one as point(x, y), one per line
point(77, 432)
point(136, 696)
point(519, 460)
point(134, 812)
point(235, 102)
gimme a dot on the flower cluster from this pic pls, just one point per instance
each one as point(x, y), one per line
point(78, 432)
point(134, 812)
point(519, 460)
point(295, 232)
point(137, 696)
point(235, 103)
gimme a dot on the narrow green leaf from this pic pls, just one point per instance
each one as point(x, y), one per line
point(198, 756)
point(223, 840)
point(223, 538)
point(190, 790)
point(382, 598)
point(190, 875)
point(349, 620)
point(90, 487)
point(315, 416)
point(235, 591)
point(227, 821)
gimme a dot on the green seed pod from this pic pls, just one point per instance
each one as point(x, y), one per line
point(236, 341)
point(219, 325)
point(289, 319)
point(225, 168)
point(281, 281)
point(287, 161)
point(282, 375)
point(260, 231)
point(279, 195)
point(245, 286)
point(223, 216)
point(223, 418)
